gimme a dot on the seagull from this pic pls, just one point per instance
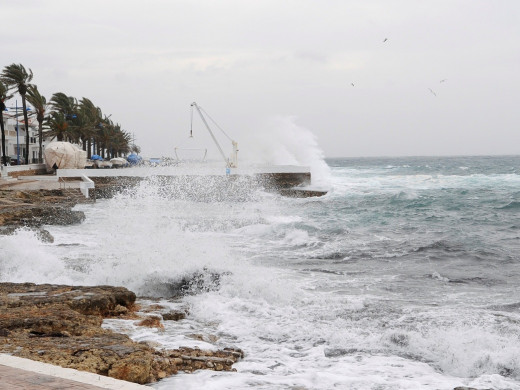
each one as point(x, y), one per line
point(384, 40)
point(443, 80)
point(434, 94)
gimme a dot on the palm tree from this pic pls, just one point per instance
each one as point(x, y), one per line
point(82, 128)
point(57, 126)
point(64, 122)
point(122, 145)
point(119, 142)
point(40, 106)
point(105, 135)
point(16, 76)
point(3, 98)
point(67, 105)
point(90, 117)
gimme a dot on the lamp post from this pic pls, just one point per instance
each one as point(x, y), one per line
point(17, 141)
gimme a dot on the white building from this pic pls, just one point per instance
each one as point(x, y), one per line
point(15, 140)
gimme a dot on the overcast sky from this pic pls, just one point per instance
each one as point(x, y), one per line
point(340, 77)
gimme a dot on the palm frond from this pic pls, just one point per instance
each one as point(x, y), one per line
point(16, 76)
point(60, 102)
point(38, 101)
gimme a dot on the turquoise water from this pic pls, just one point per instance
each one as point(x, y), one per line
point(404, 276)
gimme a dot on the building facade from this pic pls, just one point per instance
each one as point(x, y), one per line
point(15, 131)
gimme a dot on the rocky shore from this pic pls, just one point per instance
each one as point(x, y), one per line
point(62, 325)
point(33, 209)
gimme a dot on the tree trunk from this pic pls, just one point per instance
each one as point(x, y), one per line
point(40, 141)
point(24, 104)
point(2, 108)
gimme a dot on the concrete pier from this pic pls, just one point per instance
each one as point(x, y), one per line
point(291, 181)
point(288, 180)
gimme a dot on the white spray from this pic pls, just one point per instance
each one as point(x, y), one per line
point(280, 141)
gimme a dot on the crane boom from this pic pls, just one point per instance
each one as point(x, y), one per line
point(230, 163)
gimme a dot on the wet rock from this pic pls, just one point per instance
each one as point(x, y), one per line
point(191, 284)
point(119, 311)
point(49, 320)
point(191, 359)
point(88, 300)
point(137, 369)
point(37, 208)
point(174, 315)
point(336, 352)
point(61, 325)
point(153, 307)
point(400, 339)
point(42, 234)
point(22, 195)
point(467, 388)
point(211, 338)
point(151, 322)
point(53, 216)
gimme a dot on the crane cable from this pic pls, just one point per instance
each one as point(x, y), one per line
point(215, 123)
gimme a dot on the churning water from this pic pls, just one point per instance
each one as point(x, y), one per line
point(404, 276)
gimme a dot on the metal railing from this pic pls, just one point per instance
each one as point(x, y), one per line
point(63, 183)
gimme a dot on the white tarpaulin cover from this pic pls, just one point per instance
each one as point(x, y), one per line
point(119, 161)
point(64, 155)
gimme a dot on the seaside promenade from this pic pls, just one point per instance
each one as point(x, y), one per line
point(292, 181)
point(17, 373)
point(30, 184)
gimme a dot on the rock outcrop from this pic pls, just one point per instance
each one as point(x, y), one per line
point(32, 209)
point(61, 325)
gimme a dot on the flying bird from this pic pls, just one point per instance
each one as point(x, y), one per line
point(384, 40)
point(443, 80)
point(352, 84)
point(434, 94)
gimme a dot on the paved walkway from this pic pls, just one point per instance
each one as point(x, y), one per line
point(31, 184)
point(17, 373)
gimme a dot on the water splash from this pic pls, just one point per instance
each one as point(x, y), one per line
point(25, 259)
point(281, 141)
point(354, 290)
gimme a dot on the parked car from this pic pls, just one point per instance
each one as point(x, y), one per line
point(14, 160)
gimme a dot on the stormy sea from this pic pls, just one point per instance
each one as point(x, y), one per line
point(405, 275)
